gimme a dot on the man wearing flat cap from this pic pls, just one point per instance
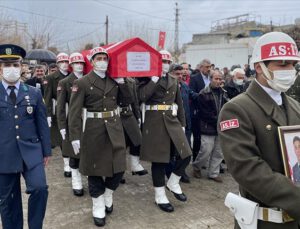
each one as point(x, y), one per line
point(24, 142)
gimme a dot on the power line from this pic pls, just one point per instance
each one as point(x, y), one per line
point(79, 37)
point(134, 11)
point(49, 16)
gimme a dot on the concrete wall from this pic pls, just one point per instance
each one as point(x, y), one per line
point(210, 38)
point(222, 55)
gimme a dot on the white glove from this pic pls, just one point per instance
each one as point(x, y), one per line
point(76, 146)
point(63, 133)
point(183, 128)
point(119, 80)
point(155, 79)
point(139, 122)
point(49, 120)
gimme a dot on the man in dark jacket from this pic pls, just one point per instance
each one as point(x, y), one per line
point(296, 167)
point(197, 82)
point(236, 85)
point(37, 79)
point(211, 99)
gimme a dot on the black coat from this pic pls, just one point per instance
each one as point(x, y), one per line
point(233, 90)
point(34, 81)
point(210, 106)
point(196, 85)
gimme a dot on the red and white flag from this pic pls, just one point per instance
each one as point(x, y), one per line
point(161, 40)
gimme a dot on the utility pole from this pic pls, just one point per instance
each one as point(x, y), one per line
point(106, 30)
point(176, 42)
point(271, 26)
point(48, 40)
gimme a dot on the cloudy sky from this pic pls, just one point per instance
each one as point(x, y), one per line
point(75, 22)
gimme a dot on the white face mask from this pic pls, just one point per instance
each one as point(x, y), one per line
point(78, 68)
point(101, 65)
point(63, 67)
point(11, 74)
point(238, 82)
point(165, 67)
point(282, 79)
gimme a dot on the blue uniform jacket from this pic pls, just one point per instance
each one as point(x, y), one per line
point(24, 132)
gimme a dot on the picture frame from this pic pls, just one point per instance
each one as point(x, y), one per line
point(289, 137)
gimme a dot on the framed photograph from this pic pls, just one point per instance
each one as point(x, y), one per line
point(289, 137)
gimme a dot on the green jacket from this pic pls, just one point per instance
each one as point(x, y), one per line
point(252, 151)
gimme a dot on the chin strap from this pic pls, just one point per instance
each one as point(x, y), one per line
point(266, 72)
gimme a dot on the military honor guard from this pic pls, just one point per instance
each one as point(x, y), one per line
point(248, 130)
point(64, 90)
point(131, 119)
point(100, 136)
point(50, 95)
point(163, 134)
point(24, 142)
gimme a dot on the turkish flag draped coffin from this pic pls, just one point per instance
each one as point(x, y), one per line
point(131, 58)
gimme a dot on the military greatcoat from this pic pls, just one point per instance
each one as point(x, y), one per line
point(50, 84)
point(250, 143)
point(64, 90)
point(103, 150)
point(161, 128)
point(130, 118)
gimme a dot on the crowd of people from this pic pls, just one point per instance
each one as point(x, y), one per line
point(172, 120)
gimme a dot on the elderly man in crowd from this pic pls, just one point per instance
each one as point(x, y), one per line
point(236, 85)
point(197, 83)
point(211, 99)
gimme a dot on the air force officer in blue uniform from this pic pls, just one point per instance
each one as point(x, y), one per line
point(24, 144)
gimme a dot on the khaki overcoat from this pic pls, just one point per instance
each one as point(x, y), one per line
point(50, 84)
point(103, 150)
point(64, 90)
point(161, 127)
point(252, 150)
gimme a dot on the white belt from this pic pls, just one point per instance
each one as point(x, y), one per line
point(67, 109)
point(54, 103)
point(159, 107)
point(105, 114)
point(163, 107)
point(272, 215)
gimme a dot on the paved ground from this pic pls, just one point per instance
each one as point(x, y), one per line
point(134, 204)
